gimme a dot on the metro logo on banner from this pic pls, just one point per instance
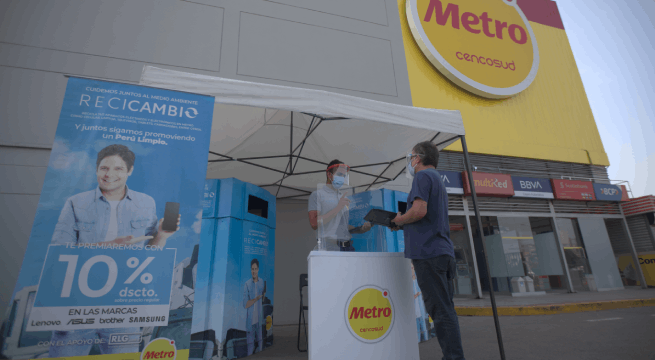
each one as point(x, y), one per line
point(485, 46)
point(495, 185)
point(608, 192)
point(532, 187)
point(573, 190)
point(453, 182)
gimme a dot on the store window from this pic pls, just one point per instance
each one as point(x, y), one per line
point(464, 283)
point(548, 268)
point(575, 253)
point(522, 253)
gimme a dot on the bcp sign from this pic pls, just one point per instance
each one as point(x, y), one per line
point(485, 46)
point(608, 192)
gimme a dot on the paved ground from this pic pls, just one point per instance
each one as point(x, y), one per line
point(557, 302)
point(623, 334)
point(559, 298)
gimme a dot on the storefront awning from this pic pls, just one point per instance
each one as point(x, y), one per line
point(281, 138)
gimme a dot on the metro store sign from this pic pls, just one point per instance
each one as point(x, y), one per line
point(485, 46)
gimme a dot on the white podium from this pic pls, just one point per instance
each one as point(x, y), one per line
point(361, 306)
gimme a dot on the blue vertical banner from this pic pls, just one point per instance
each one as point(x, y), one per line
point(112, 256)
point(233, 317)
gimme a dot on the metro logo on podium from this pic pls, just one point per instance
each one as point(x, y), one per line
point(370, 314)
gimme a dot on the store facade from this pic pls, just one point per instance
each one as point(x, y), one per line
point(552, 245)
point(365, 48)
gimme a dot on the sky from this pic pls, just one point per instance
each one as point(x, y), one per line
point(613, 42)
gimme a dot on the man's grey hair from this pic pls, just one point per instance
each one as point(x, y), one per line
point(429, 152)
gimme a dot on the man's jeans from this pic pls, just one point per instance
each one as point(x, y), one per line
point(252, 336)
point(435, 278)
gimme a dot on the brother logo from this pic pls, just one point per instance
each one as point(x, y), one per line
point(138, 106)
point(530, 184)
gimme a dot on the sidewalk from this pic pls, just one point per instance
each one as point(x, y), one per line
point(557, 303)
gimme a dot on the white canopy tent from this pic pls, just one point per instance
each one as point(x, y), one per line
point(281, 138)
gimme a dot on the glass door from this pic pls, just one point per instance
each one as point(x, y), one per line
point(465, 281)
point(575, 253)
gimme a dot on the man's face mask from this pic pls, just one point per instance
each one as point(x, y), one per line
point(411, 169)
point(340, 176)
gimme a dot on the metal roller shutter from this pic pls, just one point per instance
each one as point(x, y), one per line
point(455, 203)
point(454, 161)
point(618, 238)
point(638, 226)
point(510, 205)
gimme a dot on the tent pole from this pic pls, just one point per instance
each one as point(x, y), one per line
point(469, 171)
point(291, 145)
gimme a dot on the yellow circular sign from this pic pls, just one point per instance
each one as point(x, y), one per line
point(269, 322)
point(485, 46)
point(369, 314)
point(160, 348)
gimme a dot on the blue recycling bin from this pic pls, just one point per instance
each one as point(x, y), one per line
point(379, 238)
point(237, 245)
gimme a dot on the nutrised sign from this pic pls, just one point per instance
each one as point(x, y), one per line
point(497, 185)
point(573, 190)
point(485, 46)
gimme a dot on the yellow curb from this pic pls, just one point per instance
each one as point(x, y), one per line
point(553, 309)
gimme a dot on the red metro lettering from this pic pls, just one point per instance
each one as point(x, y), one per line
point(375, 312)
point(158, 354)
point(469, 19)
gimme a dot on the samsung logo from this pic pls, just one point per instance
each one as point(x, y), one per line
point(138, 106)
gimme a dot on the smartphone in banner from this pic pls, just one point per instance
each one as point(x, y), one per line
point(171, 213)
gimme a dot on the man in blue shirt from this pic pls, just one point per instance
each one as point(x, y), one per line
point(111, 214)
point(428, 245)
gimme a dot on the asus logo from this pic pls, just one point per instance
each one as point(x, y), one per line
point(81, 321)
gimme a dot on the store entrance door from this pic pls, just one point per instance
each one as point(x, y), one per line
point(576, 255)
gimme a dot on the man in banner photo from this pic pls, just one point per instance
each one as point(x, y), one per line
point(253, 292)
point(111, 214)
point(110, 261)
